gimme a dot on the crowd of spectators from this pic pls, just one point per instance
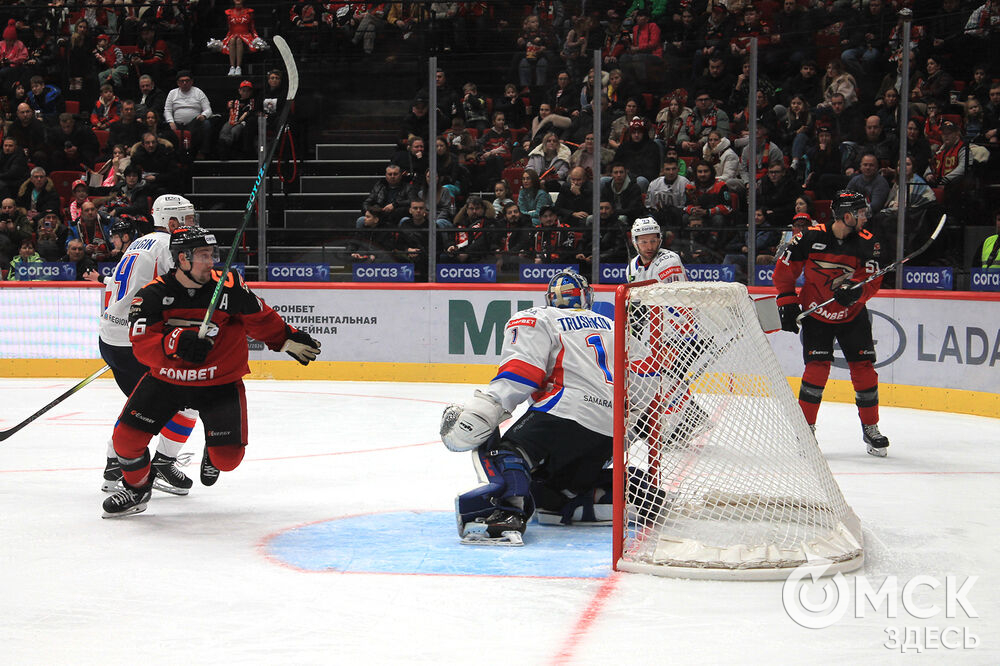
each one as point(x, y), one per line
point(673, 89)
point(98, 108)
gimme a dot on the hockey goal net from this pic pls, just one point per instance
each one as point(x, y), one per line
point(717, 474)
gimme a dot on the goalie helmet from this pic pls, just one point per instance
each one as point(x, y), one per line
point(185, 240)
point(643, 226)
point(846, 201)
point(569, 289)
point(175, 206)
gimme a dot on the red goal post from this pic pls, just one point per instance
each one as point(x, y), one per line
point(716, 473)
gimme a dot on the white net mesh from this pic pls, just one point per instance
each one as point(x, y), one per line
point(723, 477)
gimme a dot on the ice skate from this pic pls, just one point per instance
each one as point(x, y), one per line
point(112, 476)
point(166, 476)
point(876, 441)
point(128, 500)
point(209, 472)
point(500, 528)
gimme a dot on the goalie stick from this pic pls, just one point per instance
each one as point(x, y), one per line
point(293, 86)
point(4, 434)
point(877, 274)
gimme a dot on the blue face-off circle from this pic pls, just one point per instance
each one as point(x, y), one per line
point(427, 543)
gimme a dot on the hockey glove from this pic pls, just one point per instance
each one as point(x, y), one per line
point(184, 344)
point(848, 294)
point(300, 346)
point(789, 313)
point(465, 427)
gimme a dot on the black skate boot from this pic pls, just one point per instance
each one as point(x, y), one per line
point(500, 528)
point(209, 472)
point(167, 477)
point(128, 500)
point(876, 441)
point(112, 476)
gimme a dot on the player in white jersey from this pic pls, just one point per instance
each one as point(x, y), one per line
point(145, 258)
point(559, 359)
point(651, 261)
point(667, 406)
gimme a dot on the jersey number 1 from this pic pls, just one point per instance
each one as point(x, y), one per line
point(597, 342)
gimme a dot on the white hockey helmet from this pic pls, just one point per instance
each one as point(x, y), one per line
point(175, 206)
point(643, 226)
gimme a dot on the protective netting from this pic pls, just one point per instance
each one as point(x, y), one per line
point(723, 477)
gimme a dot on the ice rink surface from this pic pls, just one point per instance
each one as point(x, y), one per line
point(334, 543)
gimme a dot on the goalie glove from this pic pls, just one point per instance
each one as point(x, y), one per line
point(465, 427)
point(301, 346)
point(184, 344)
point(848, 293)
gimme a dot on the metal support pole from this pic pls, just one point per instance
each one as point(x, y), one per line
point(903, 186)
point(596, 180)
point(433, 168)
point(752, 157)
point(262, 199)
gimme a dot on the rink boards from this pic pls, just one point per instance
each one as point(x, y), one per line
point(935, 350)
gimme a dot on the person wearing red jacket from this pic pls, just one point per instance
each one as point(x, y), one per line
point(185, 370)
point(646, 46)
point(835, 261)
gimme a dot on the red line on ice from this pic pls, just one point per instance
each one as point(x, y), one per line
point(582, 626)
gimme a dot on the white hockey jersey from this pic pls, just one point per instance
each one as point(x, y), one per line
point(145, 259)
point(666, 266)
point(562, 360)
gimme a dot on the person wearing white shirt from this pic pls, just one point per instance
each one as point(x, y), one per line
point(187, 108)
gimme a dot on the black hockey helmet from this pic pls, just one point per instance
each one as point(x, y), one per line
point(185, 240)
point(133, 225)
point(847, 201)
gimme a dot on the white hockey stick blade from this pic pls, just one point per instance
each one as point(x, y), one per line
point(290, 67)
point(508, 538)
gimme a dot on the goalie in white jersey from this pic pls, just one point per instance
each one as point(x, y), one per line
point(559, 358)
point(147, 257)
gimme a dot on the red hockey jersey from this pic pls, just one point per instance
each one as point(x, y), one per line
point(164, 305)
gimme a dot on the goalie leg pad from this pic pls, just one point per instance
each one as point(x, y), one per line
point(506, 486)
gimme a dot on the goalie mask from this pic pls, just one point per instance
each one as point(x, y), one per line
point(643, 226)
point(173, 206)
point(569, 289)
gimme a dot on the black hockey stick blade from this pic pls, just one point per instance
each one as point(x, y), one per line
point(4, 434)
point(879, 273)
point(293, 86)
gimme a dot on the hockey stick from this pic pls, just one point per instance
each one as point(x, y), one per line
point(4, 434)
point(293, 86)
point(877, 274)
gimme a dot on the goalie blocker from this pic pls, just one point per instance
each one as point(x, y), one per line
point(551, 462)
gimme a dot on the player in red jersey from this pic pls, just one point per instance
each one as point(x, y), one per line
point(834, 261)
point(185, 370)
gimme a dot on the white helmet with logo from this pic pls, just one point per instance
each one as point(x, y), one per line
point(174, 206)
point(643, 226)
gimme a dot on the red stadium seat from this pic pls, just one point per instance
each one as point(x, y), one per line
point(72, 106)
point(102, 137)
point(823, 211)
point(513, 177)
point(63, 181)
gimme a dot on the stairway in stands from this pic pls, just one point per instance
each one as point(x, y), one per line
point(308, 219)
